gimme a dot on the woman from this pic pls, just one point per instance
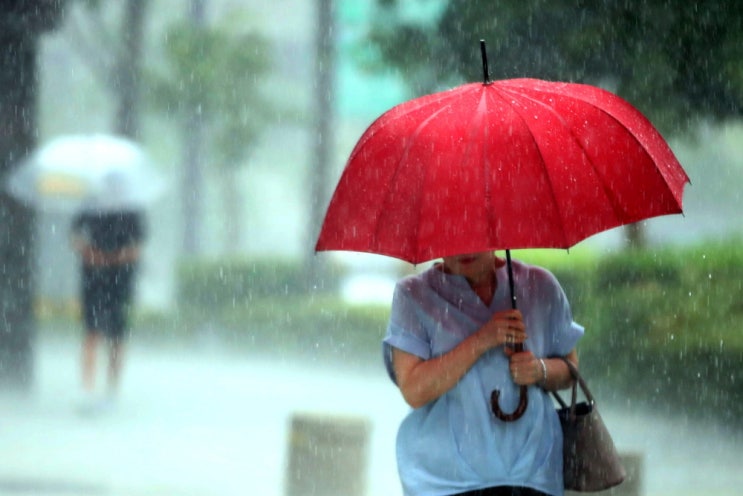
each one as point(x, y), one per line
point(446, 349)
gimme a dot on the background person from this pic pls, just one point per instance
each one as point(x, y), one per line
point(446, 349)
point(108, 244)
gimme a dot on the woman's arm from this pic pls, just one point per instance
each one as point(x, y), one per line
point(128, 254)
point(422, 381)
point(527, 370)
point(94, 257)
point(558, 373)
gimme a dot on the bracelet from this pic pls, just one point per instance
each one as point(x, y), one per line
point(544, 372)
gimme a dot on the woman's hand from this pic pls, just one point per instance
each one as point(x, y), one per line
point(93, 257)
point(422, 381)
point(503, 328)
point(525, 368)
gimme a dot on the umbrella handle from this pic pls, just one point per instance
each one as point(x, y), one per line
point(518, 347)
point(520, 409)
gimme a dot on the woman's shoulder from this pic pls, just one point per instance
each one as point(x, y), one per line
point(419, 281)
point(412, 281)
point(534, 273)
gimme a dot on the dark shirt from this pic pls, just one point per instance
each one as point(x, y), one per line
point(110, 231)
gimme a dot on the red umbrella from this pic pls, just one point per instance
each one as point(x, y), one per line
point(519, 163)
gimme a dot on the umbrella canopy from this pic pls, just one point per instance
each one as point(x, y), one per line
point(520, 163)
point(93, 172)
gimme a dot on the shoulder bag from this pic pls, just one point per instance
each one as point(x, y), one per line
point(590, 459)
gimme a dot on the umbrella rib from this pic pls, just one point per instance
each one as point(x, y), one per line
point(618, 212)
point(632, 134)
point(374, 127)
point(399, 166)
point(482, 110)
point(525, 122)
point(607, 192)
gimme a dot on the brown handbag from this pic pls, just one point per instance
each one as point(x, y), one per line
point(590, 459)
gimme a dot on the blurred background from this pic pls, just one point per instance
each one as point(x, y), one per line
point(241, 333)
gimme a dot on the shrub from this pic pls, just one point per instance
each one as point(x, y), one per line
point(664, 326)
point(210, 283)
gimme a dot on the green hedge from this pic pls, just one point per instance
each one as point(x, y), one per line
point(662, 326)
point(235, 282)
point(268, 306)
point(665, 326)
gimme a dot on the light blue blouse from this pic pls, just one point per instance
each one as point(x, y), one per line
point(455, 443)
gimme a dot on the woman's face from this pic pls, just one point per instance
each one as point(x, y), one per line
point(475, 267)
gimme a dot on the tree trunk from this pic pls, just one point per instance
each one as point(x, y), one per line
point(232, 207)
point(315, 268)
point(192, 179)
point(21, 25)
point(129, 68)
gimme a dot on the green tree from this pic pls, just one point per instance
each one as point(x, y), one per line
point(111, 48)
point(678, 62)
point(129, 63)
point(218, 70)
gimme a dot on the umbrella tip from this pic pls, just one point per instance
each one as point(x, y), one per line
point(484, 54)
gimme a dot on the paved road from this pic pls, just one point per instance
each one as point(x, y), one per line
point(204, 422)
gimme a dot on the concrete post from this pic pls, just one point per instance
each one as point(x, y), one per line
point(327, 456)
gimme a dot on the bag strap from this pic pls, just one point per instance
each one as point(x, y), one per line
point(578, 380)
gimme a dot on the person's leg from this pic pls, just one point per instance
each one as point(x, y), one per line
point(115, 361)
point(89, 352)
point(91, 310)
point(120, 292)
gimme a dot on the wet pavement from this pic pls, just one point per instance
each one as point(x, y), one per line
point(212, 422)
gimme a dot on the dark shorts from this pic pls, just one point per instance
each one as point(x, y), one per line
point(107, 295)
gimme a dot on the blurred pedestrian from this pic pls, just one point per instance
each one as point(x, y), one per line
point(109, 245)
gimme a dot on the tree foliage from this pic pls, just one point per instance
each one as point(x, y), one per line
point(676, 61)
point(23, 17)
point(221, 73)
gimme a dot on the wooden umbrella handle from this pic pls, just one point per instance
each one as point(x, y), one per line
point(523, 399)
point(517, 413)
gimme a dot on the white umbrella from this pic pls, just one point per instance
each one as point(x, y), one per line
point(91, 172)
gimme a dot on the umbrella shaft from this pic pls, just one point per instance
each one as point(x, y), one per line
point(510, 279)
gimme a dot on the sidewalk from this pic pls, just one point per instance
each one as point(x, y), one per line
point(191, 424)
point(203, 423)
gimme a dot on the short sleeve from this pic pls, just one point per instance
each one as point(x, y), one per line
point(405, 330)
point(565, 331)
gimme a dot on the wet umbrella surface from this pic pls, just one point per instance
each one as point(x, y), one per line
point(93, 172)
